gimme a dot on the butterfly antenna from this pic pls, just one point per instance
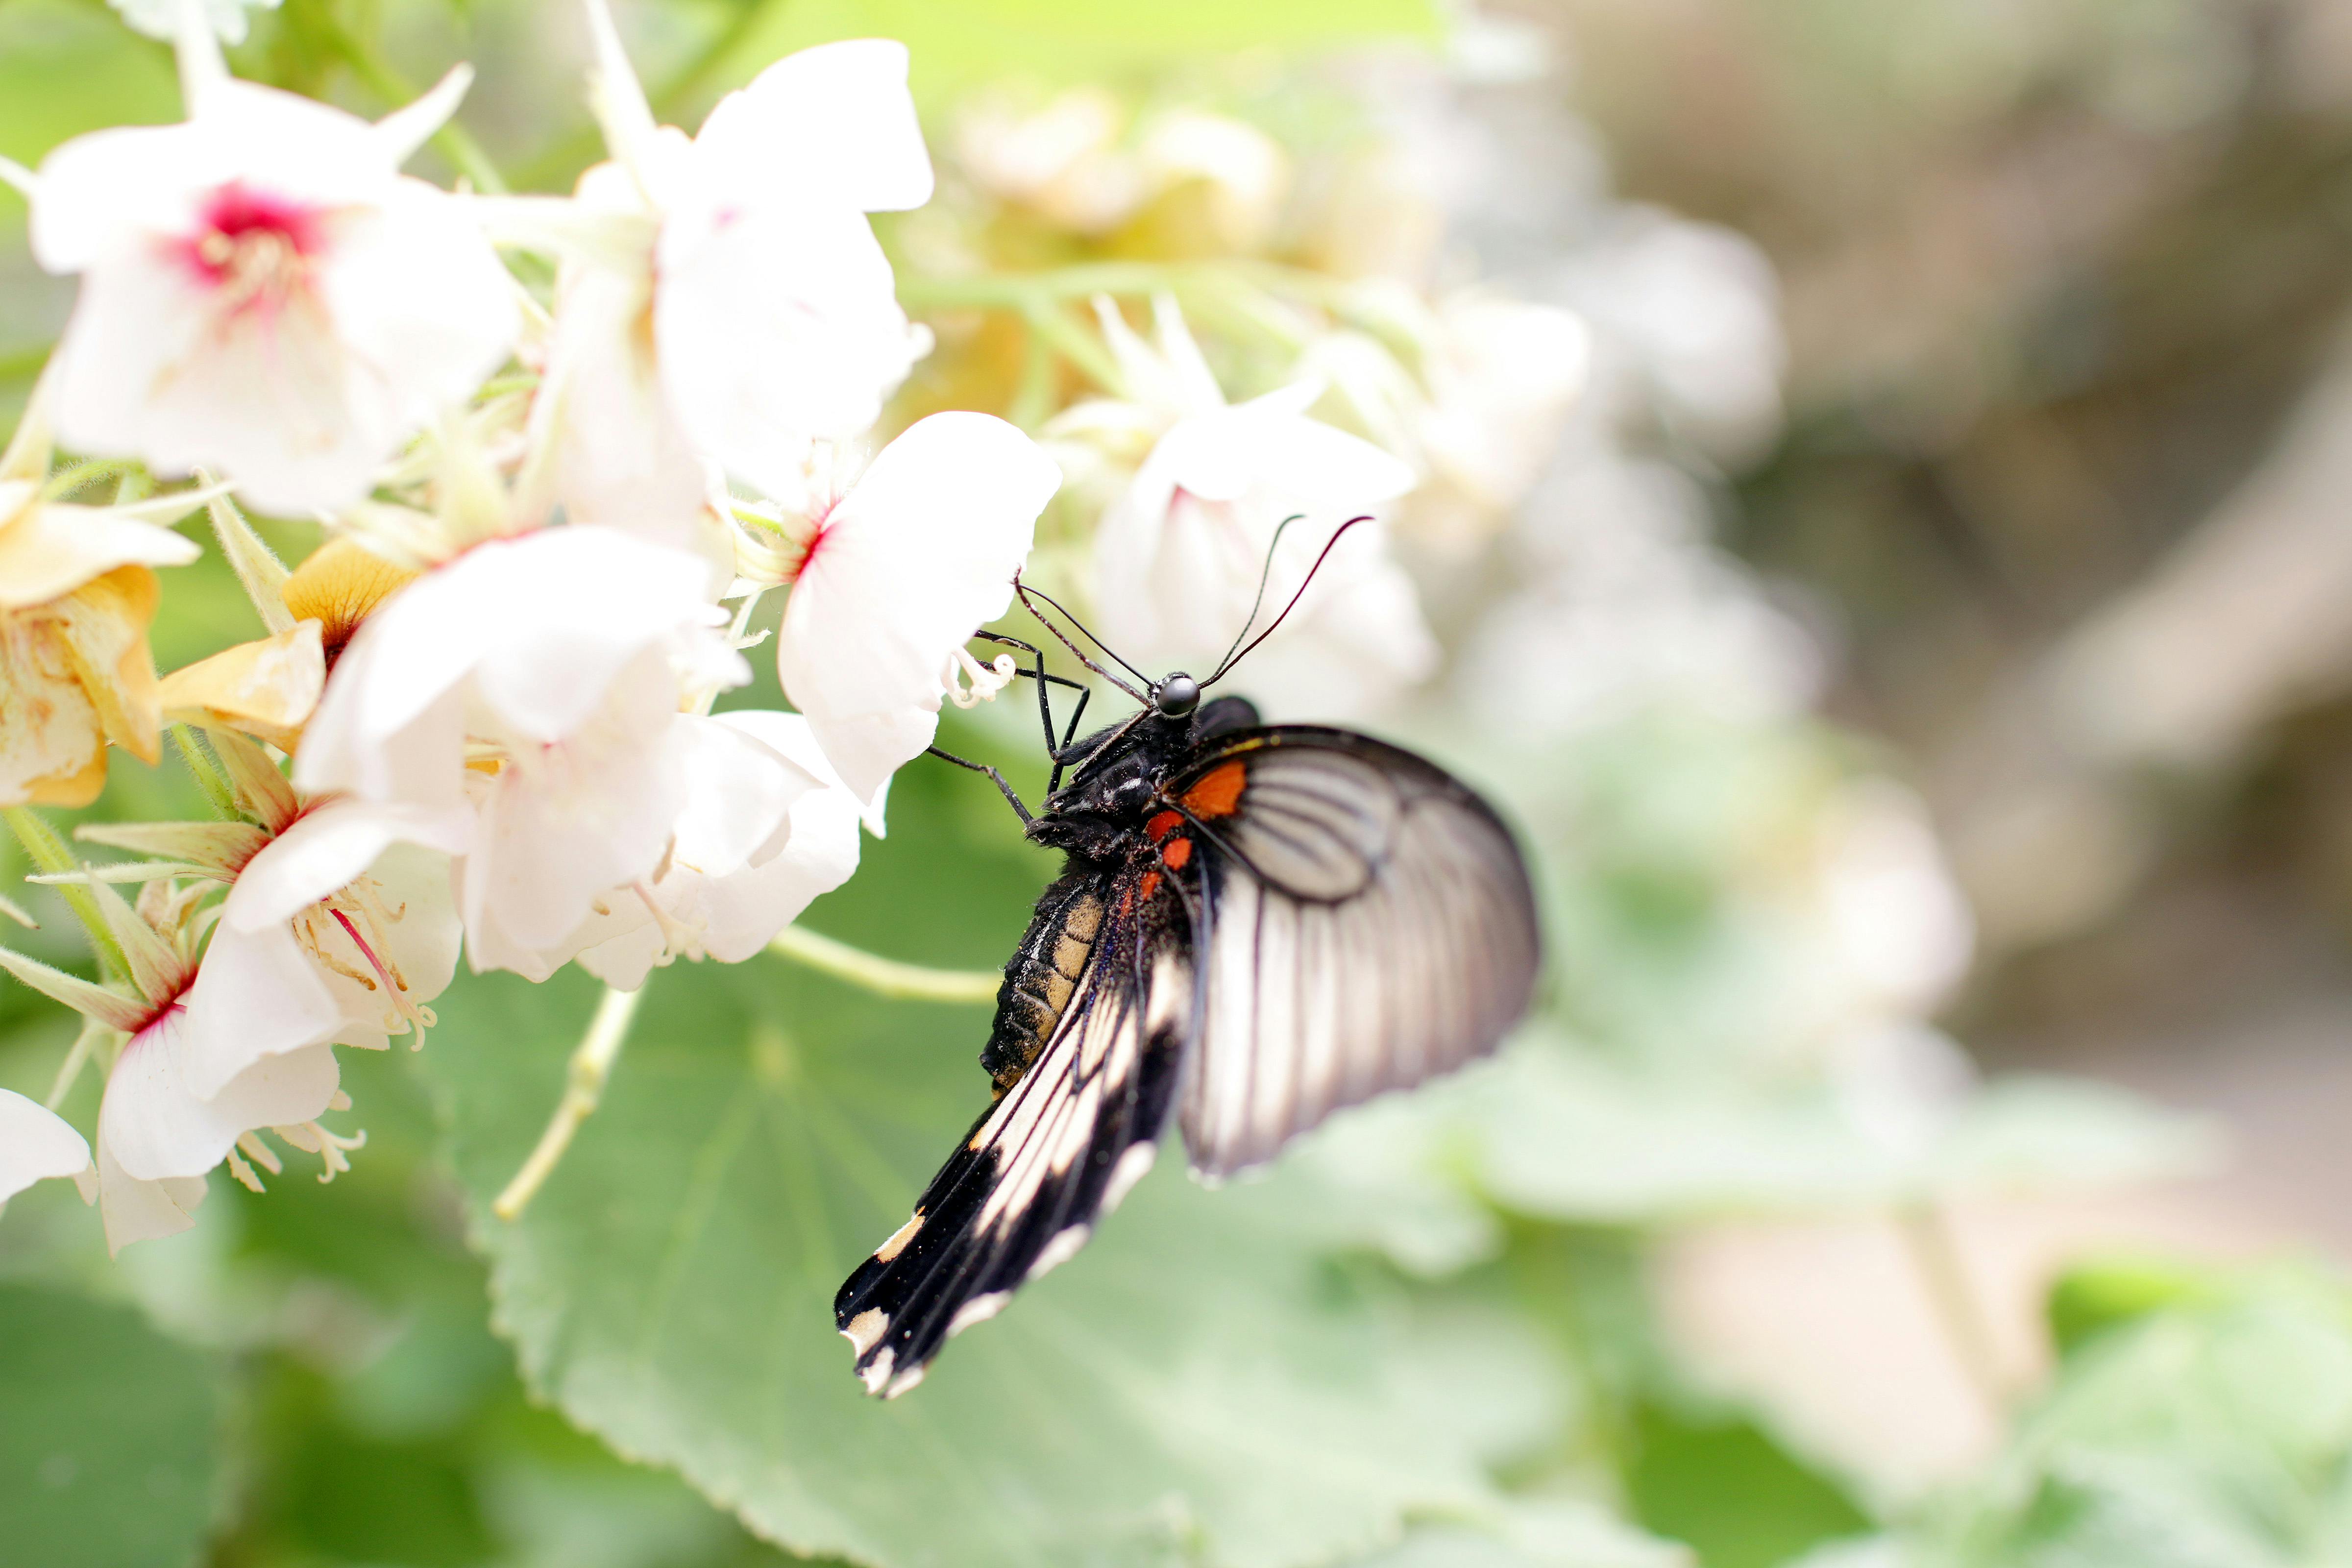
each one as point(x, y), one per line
point(1264, 576)
point(1028, 594)
point(1232, 659)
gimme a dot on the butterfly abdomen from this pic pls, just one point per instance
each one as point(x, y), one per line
point(1043, 974)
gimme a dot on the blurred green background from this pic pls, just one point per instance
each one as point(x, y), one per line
point(2047, 478)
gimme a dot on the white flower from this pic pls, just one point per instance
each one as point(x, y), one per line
point(890, 578)
point(160, 18)
point(262, 292)
point(338, 926)
point(1179, 556)
point(767, 826)
point(739, 283)
point(35, 1142)
point(541, 678)
point(1502, 374)
point(157, 1134)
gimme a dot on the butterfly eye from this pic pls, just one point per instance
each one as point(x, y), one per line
point(1176, 696)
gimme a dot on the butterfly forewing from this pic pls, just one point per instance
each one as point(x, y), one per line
point(1057, 1150)
point(1366, 922)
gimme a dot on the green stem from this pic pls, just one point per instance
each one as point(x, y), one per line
point(48, 853)
point(884, 977)
point(583, 1087)
point(207, 772)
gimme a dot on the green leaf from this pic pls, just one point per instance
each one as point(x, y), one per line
point(1191, 1375)
point(1551, 1533)
point(2212, 1434)
point(109, 1455)
point(1721, 1483)
point(1197, 1382)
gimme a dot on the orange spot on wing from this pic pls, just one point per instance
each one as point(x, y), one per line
point(1219, 793)
point(1148, 886)
point(1161, 825)
point(1176, 853)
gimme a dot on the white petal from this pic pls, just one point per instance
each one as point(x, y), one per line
point(406, 128)
point(558, 835)
point(35, 1142)
point(777, 324)
point(327, 847)
point(541, 627)
point(134, 1210)
point(915, 558)
point(257, 995)
point(154, 1126)
point(740, 796)
point(832, 123)
point(738, 913)
point(621, 460)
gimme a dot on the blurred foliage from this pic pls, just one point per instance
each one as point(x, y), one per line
point(110, 1453)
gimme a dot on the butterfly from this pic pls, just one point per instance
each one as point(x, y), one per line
point(1254, 926)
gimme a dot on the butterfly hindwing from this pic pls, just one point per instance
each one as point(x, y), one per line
point(1057, 1150)
point(1366, 922)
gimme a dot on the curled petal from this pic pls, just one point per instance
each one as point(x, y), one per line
point(267, 688)
point(324, 849)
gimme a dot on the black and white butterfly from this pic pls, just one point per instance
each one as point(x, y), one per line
point(1256, 925)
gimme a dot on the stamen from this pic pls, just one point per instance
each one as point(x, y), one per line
point(679, 939)
point(244, 1174)
point(986, 680)
point(312, 1138)
point(395, 989)
point(262, 1153)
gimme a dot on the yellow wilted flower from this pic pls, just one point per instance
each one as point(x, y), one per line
point(76, 597)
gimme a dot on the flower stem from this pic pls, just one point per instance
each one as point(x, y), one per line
point(884, 977)
point(583, 1086)
point(1048, 319)
point(1927, 1232)
point(48, 853)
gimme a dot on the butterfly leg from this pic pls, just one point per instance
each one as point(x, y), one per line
point(1044, 707)
point(992, 773)
point(1044, 680)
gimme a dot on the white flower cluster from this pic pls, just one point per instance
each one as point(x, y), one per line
point(496, 703)
point(481, 720)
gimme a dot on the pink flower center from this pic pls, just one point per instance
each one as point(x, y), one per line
point(253, 246)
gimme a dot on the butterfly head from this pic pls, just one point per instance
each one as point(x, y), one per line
point(1175, 696)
